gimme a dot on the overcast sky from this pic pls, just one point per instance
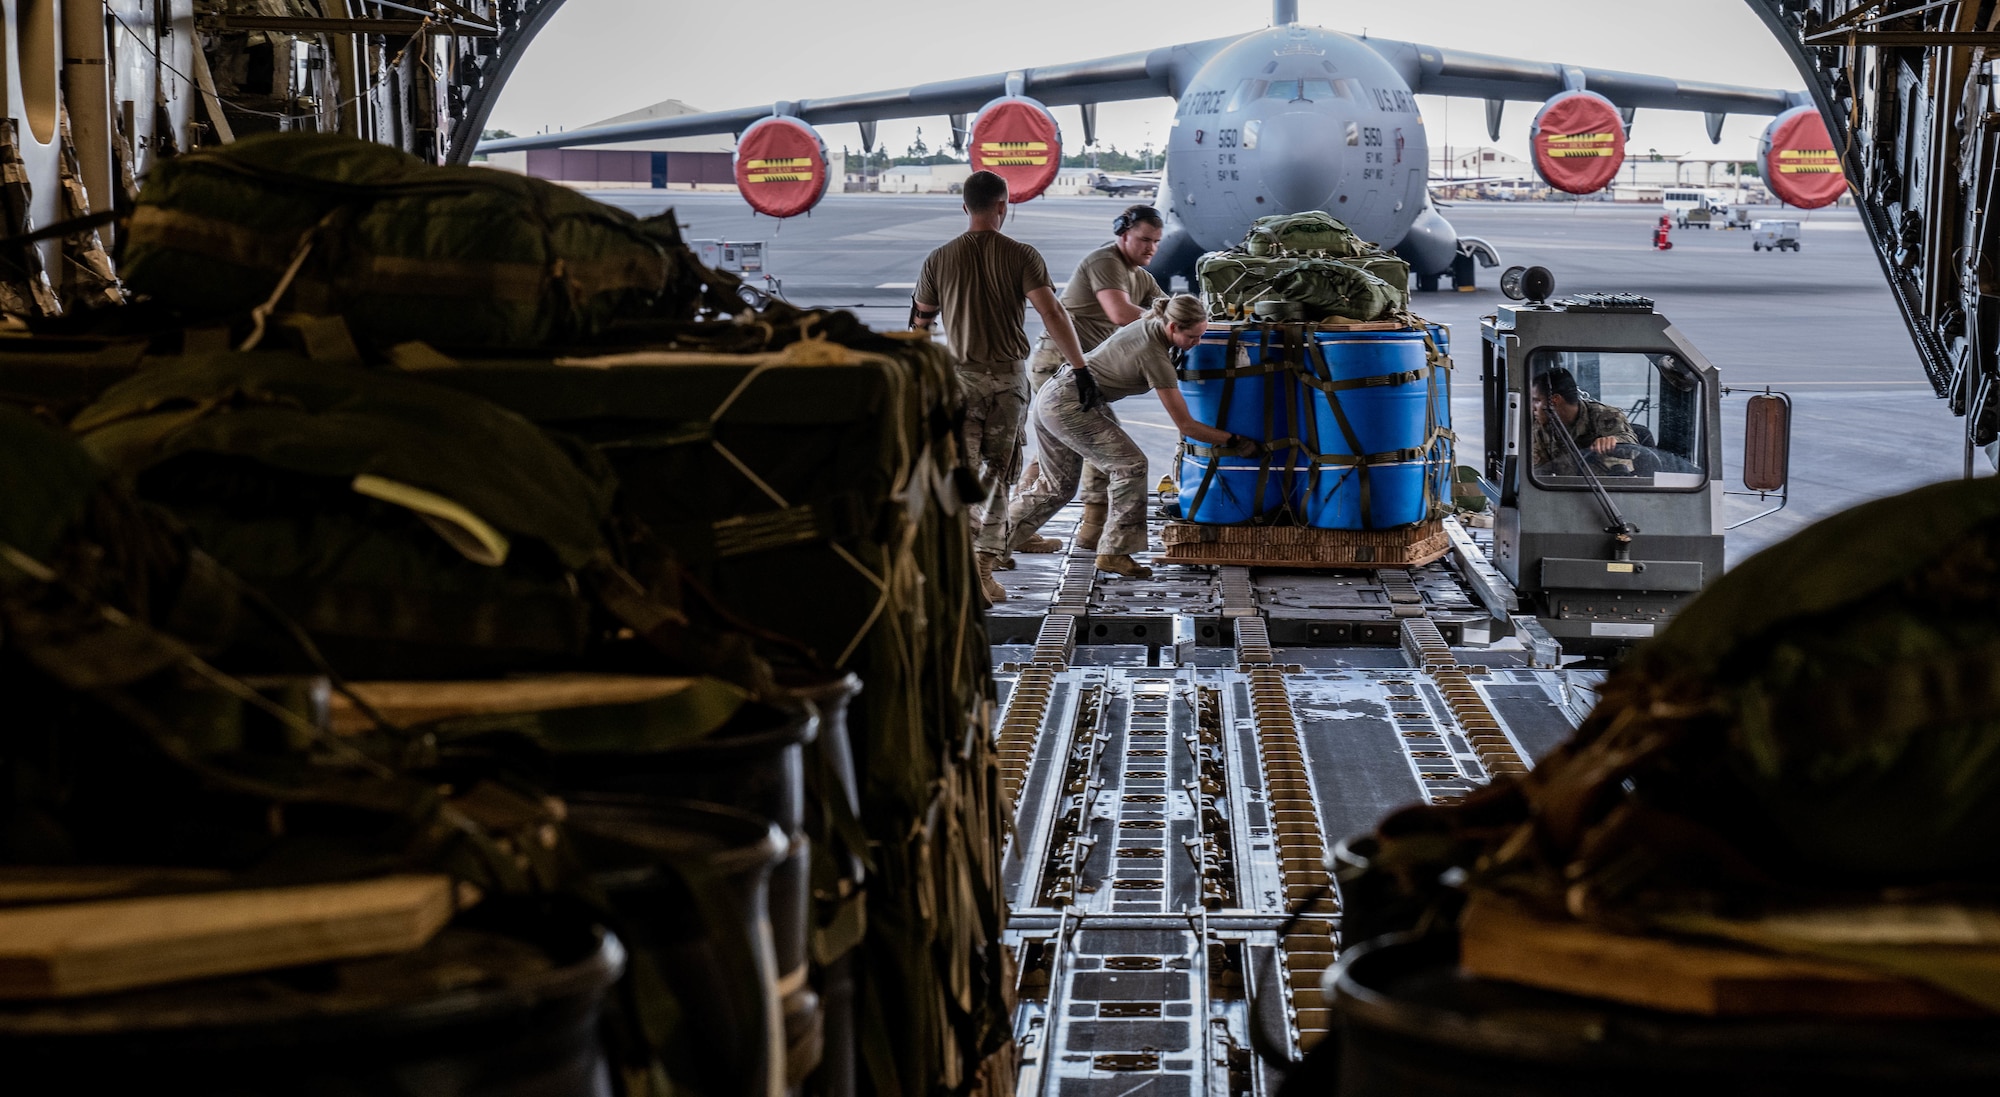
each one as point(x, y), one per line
point(599, 58)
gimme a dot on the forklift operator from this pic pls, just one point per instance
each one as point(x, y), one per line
point(1599, 429)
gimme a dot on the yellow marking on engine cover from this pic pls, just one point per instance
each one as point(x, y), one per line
point(1808, 162)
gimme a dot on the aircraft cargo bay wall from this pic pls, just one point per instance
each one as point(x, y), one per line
point(95, 92)
point(1906, 90)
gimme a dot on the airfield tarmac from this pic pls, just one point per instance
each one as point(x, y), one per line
point(1817, 323)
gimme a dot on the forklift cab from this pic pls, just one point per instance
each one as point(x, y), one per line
point(1606, 525)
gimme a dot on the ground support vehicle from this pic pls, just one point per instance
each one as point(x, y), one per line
point(1602, 547)
point(1769, 235)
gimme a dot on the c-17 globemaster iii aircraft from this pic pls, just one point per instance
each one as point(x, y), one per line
point(1283, 120)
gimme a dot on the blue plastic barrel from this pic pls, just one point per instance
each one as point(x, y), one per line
point(1395, 495)
point(1262, 401)
point(1232, 498)
point(1386, 418)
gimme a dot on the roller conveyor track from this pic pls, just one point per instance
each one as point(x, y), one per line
point(1183, 751)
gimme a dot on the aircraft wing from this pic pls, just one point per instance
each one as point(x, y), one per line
point(1153, 74)
point(1434, 71)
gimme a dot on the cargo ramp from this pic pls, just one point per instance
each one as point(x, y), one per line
point(1184, 751)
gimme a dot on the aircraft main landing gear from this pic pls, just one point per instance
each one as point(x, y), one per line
point(1462, 273)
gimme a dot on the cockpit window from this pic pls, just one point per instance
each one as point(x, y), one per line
point(1635, 419)
point(1293, 90)
point(1247, 92)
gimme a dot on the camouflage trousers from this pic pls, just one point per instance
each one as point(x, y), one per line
point(1070, 439)
point(996, 406)
point(1041, 368)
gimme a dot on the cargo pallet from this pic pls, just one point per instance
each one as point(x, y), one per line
point(1304, 547)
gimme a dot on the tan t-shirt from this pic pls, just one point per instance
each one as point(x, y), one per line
point(1104, 268)
point(1138, 358)
point(980, 283)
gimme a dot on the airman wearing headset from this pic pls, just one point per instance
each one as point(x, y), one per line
point(1110, 289)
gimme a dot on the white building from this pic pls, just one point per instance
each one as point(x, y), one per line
point(923, 178)
point(667, 163)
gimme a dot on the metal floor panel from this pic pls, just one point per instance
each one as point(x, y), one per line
point(1182, 752)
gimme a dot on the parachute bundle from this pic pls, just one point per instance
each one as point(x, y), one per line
point(1313, 232)
point(617, 487)
point(401, 249)
point(1307, 259)
point(1812, 748)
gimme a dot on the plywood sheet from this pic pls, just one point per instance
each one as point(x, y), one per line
point(68, 949)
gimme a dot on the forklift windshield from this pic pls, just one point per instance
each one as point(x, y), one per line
point(1635, 418)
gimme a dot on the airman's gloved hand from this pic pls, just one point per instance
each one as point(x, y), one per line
point(1087, 395)
point(1240, 446)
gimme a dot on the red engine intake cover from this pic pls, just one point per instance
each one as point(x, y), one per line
point(1017, 139)
point(1579, 142)
point(781, 166)
point(1798, 161)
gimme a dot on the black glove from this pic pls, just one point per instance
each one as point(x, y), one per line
point(1087, 395)
point(1239, 446)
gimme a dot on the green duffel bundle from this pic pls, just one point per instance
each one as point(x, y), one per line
point(126, 744)
point(1391, 268)
point(64, 515)
point(1313, 232)
point(1328, 289)
point(1807, 761)
point(409, 530)
point(402, 249)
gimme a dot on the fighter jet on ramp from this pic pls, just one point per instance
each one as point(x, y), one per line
point(1125, 186)
point(1283, 120)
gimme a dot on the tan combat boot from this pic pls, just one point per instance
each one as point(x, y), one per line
point(990, 590)
point(1092, 525)
point(1038, 543)
point(1123, 564)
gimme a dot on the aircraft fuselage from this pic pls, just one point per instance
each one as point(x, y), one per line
point(1291, 119)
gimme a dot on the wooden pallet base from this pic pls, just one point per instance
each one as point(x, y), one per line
point(1301, 547)
point(1501, 941)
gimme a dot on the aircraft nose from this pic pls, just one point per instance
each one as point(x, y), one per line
point(1302, 153)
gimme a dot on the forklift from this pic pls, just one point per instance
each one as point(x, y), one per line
point(1604, 543)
